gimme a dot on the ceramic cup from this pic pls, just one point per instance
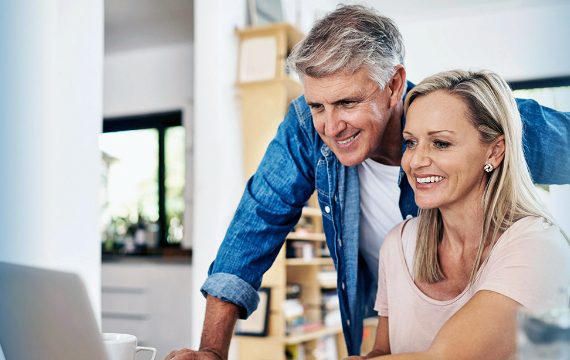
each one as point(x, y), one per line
point(544, 336)
point(123, 346)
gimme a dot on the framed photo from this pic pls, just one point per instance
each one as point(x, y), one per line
point(257, 323)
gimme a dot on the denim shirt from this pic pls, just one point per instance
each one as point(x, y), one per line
point(296, 163)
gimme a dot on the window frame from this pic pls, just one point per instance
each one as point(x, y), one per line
point(160, 121)
point(540, 83)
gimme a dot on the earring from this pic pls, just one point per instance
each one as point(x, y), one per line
point(488, 167)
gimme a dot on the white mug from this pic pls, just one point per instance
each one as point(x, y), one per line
point(123, 346)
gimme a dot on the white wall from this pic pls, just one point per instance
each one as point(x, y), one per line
point(519, 43)
point(218, 176)
point(151, 80)
point(148, 80)
point(518, 39)
point(50, 111)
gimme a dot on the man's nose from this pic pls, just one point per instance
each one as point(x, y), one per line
point(334, 125)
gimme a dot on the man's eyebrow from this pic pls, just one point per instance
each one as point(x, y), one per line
point(345, 99)
point(352, 98)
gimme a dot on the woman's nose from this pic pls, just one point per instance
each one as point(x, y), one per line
point(419, 158)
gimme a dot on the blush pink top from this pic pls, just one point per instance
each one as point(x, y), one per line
point(530, 263)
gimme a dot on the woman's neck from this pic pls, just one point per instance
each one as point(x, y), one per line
point(463, 228)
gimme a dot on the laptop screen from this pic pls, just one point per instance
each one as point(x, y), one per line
point(46, 314)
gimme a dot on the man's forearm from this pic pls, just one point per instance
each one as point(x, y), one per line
point(219, 325)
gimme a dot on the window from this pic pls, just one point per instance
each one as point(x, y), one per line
point(143, 179)
point(554, 93)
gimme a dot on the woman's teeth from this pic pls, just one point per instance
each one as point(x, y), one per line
point(429, 179)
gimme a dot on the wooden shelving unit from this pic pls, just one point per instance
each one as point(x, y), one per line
point(264, 103)
point(264, 96)
point(305, 273)
point(308, 262)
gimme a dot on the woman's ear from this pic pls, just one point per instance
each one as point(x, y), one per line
point(397, 85)
point(497, 152)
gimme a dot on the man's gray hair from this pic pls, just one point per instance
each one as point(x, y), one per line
point(346, 40)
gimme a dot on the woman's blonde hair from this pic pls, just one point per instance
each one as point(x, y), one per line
point(509, 194)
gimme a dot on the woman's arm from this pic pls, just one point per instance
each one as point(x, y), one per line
point(382, 342)
point(485, 328)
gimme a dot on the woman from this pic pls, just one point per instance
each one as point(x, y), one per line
point(452, 279)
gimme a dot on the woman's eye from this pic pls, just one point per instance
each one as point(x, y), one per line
point(441, 144)
point(410, 144)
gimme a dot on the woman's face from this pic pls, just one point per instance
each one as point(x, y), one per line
point(444, 157)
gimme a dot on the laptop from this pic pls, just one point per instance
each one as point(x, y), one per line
point(46, 314)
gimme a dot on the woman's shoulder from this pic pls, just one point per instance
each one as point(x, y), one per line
point(401, 236)
point(534, 228)
point(535, 235)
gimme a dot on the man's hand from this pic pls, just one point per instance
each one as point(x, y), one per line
point(187, 354)
point(218, 329)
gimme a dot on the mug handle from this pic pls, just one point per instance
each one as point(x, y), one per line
point(144, 348)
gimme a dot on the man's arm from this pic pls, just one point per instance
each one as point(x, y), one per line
point(270, 207)
point(546, 141)
point(217, 332)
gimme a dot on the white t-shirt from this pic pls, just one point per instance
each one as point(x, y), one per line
point(530, 263)
point(379, 208)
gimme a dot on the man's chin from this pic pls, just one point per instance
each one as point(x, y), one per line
point(350, 160)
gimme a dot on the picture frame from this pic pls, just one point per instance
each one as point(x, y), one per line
point(258, 322)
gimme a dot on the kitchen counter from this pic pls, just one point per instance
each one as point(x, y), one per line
point(165, 256)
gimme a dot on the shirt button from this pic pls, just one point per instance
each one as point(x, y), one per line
point(327, 209)
point(409, 216)
point(348, 322)
point(342, 285)
point(339, 242)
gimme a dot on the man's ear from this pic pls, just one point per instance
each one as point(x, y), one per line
point(397, 85)
point(497, 152)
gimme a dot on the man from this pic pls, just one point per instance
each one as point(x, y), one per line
point(342, 139)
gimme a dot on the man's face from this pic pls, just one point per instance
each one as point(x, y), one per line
point(350, 113)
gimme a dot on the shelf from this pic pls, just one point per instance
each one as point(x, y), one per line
point(311, 211)
point(313, 335)
point(309, 262)
point(292, 85)
point(325, 331)
point(293, 35)
point(306, 236)
point(327, 285)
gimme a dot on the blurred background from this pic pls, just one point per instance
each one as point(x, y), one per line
point(124, 131)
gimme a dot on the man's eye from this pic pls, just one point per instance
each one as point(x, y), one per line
point(348, 103)
point(441, 144)
point(410, 144)
point(316, 107)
